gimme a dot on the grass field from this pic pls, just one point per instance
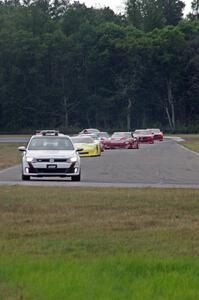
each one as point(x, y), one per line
point(74, 243)
point(9, 154)
point(105, 244)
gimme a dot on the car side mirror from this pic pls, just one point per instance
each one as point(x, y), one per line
point(22, 149)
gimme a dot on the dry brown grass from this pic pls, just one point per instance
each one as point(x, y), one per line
point(9, 154)
point(138, 220)
point(191, 141)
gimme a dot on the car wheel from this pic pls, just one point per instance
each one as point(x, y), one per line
point(76, 177)
point(25, 177)
point(137, 147)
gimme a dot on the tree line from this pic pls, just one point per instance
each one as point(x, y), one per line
point(64, 65)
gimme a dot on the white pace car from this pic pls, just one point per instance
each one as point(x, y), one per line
point(50, 153)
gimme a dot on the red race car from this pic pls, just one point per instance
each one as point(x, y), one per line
point(144, 136)
point(121, 140)
point(157, 134)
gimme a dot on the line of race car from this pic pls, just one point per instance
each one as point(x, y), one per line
point(94, 141)
point(53, 154)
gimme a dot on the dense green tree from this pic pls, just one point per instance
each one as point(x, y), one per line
point(194, 15)
point(172, 11)
point(134, 13)
point(168, 46)
point(145, 14)
point(59, 8)
point(151, 14)
point(64, 65)
point(190, 88)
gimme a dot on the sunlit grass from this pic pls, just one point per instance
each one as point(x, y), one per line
point(80, 243)
point(119, 277)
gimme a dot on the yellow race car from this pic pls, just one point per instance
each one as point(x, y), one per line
point(87, 144)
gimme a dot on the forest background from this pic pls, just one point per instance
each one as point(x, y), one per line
point(64, 65)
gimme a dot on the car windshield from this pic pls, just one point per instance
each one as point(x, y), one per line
point(50, 143)
point(82, 140)
point(141, 132)
point(121, 135)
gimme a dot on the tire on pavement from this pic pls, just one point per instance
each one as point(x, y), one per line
point(25, 177)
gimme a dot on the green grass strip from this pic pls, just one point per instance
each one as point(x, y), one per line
point(120, 277)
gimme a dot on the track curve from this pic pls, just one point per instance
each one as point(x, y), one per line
point(164, 164)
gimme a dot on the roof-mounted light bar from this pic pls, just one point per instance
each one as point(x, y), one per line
point(47, 132)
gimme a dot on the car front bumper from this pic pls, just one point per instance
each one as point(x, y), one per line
point(89, 152)
point(48, 170)
point(117, 145)
point(147, 140)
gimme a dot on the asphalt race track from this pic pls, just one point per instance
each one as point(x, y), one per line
point(164, 164)
point(14, 140)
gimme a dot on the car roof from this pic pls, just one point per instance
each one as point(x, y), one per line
point(49, 134)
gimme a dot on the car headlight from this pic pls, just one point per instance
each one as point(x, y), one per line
point(29, 159)
point(73, 159)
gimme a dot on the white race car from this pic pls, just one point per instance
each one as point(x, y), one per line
point(50, 153)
